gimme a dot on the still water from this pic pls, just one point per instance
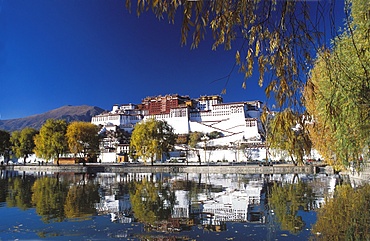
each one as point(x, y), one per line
point(160, 206)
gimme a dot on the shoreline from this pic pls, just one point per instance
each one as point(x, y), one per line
point(158, 168)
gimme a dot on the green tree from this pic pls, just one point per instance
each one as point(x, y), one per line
point(51, 141)
point(48, 196)
point(151, 139)
point(23, 142)
point(320, 133)
point(346, 216)
point(5, 145)
point(194, 138)
point(287, 132)
point(337, 94)
point(83, 139)
point(214, 135)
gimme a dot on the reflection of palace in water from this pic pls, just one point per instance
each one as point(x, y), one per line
point(112, 199)
point(235, 201)
point(225, 199)
point(218, 199)
point(209, 201)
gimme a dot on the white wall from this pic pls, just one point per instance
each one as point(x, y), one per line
point(226, 155)
point(31, 159)
point(180, 124)
point(107, 157)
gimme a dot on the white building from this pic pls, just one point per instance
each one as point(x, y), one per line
point(124, 116)
point(238, 122)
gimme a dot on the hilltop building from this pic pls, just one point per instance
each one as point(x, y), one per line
point(237, 122)
point(123, 116)
point(163, 104)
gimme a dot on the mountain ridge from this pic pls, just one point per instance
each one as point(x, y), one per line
point(68, 113)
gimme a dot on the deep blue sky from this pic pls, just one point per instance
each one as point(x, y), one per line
point(94, 52)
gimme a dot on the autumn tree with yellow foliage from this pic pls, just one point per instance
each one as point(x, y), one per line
point(337, 95)
point(286, 132)
point(151, 139)
point(51, 141)
point(23, 142)
point(83, 139)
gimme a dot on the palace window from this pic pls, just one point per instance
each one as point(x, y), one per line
point(250, 123)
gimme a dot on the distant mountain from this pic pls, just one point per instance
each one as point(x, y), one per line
point(68, 113)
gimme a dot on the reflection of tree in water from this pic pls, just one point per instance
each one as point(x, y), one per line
point(4, 185)
point(57, 199)
point(285, 200)
point(80, 201)
point(346, 216)
point(19, 192)
point(151, 202)
point(49, 195)
point(3, 190)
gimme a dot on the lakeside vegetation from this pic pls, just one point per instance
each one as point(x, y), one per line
point(56, 138)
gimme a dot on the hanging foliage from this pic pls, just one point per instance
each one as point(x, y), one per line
point(337, 95)
point(275, 37)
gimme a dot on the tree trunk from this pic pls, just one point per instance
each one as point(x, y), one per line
point(294, 162)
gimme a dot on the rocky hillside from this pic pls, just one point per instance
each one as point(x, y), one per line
point(68, 113)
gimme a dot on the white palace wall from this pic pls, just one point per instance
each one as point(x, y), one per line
point(238, 122)
point(230, 155)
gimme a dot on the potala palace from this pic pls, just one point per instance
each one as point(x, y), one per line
point(238, 123)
